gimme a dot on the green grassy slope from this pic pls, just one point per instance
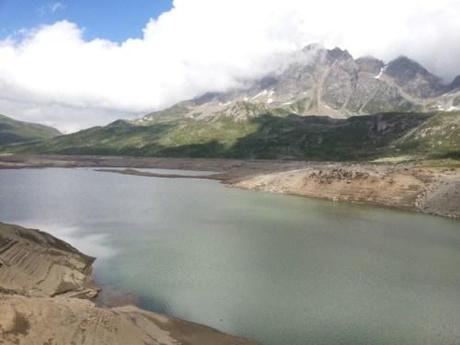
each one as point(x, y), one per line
point(439, 137)
point(270, 136)
point(13, 131)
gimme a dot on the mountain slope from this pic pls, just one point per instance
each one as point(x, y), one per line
point(270, 136)
point(13, 131)
point(438, 136)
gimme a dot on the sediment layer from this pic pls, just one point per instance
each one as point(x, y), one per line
point(36, 264)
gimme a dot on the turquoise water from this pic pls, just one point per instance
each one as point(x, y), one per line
point(278, 269)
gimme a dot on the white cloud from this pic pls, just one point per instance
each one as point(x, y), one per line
point(201, 45)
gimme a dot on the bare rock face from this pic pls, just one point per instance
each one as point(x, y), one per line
point(40, 278)
point(33, 263)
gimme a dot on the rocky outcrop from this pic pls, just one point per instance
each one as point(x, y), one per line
point(40, 278)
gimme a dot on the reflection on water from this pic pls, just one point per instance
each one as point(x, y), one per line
point(168, 171)
point(278, 269)
point(91, 244)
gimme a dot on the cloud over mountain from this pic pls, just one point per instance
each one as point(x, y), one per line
point(54, 75)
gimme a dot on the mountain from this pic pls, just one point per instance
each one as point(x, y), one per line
point(320, 107)
point(13, 131)
point(329, 82)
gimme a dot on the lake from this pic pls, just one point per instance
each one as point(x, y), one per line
point(281, 270)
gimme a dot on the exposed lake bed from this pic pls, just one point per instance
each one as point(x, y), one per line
point(274, 268)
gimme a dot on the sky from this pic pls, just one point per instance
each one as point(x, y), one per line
point(116, 20)
point(74, 64)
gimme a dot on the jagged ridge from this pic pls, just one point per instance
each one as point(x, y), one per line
point(328, 82)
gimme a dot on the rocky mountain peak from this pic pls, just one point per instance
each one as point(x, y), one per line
point(404, 68)
point(414, 78)
point(338, 54)
point(313, 47)
point(370, 64)
point(319, 54)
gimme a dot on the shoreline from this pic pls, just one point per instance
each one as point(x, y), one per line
point(48, 296)
point(216, 176)
point(408, 187)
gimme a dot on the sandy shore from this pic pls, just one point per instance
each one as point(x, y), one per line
point(432, 190)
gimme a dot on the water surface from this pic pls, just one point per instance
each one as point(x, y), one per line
point(278, 269)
